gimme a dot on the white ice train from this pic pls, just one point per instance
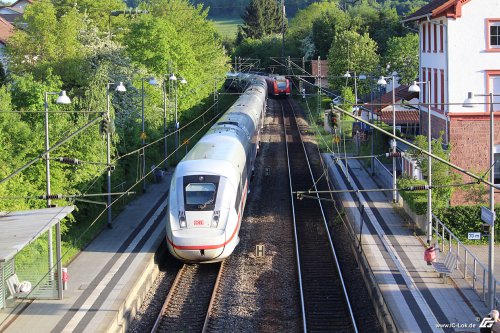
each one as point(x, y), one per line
point(209, 186)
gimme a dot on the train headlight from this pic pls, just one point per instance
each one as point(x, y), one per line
point(215, 219)
point(182, 219)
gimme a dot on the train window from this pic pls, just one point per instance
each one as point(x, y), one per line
point(281, 85)
point(227, 123)
point(200, 194)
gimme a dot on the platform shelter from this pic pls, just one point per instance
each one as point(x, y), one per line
point(39, 278)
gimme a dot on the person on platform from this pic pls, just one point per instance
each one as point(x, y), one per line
point(492, 316)
point(496, 325)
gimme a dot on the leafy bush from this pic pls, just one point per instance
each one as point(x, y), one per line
point(463, 219)
point(416, 200)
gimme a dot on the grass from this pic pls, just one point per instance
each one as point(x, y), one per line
point(227, 26)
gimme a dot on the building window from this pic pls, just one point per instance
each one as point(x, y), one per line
point(429, 37)
point(442, 89)
point(493, 86)
point(424, 35)
point(424, 78)
point(493, 33)
point(435, 84)
point(435, 38)
point(441, 37)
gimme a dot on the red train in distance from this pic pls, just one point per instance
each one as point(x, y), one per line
point(278, 86)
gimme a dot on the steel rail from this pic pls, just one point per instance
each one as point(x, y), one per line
point(332, 248)
point(301, 289)
point(188, 303)
point(171, 293)
point(213, 298)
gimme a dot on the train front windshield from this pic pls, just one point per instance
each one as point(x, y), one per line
point(282, 85)
point(200, 193)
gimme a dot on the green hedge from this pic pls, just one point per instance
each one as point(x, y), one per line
point(416, 200)
point(459, 219)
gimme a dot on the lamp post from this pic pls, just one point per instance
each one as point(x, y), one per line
point(152, 81)
point(382, 81)
point(165, 144)
point(283, 29)
point(173, 80)
point(415, 88)
point(120, 88)
point(469, 102)
point(347, 75)
point(61, 99)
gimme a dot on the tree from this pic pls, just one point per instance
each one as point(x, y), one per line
point(262, 18)
point(263, 49)
point(353, 52)
point(49, 43)
point(386, 26)
point(176, 37)
point(313, 29)
point(97, 11)
point(325, 29)
point(347, 98)
point(402, 56)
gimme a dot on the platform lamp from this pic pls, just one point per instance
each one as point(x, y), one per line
point(416, 88)
point(469, 102)
point(119, 88)
point(382, 82)
point(61, 99)
point(151, 81)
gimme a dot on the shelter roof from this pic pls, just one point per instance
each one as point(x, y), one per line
point(6, 30)
point(18, 229)
point(385, 100)
point(403, 117)
point(11, 17)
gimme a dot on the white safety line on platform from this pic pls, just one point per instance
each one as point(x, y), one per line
point(417, 295)
point(86, 306)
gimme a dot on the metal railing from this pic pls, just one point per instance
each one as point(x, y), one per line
point(471, 268)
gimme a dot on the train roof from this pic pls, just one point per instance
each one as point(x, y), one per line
point(214, 153)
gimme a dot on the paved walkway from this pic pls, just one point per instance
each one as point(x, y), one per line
point(418, 299)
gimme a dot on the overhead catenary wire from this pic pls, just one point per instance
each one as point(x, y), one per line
point(423, 151)
point(63, 196)
point(407, 188)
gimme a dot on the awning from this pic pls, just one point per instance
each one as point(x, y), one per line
point(18, 229)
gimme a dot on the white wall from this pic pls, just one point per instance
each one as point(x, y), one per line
point(468, 59)
point(435, 61)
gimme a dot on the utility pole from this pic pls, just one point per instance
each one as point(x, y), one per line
point(319, 84)
point(283, 29)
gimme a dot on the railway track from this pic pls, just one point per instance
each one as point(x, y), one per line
point(187, 306)
point(325, 304)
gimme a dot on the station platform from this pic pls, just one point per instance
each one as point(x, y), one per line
point(106, 277)
point(415, 296)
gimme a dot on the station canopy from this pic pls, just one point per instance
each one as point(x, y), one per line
point(18, 229)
